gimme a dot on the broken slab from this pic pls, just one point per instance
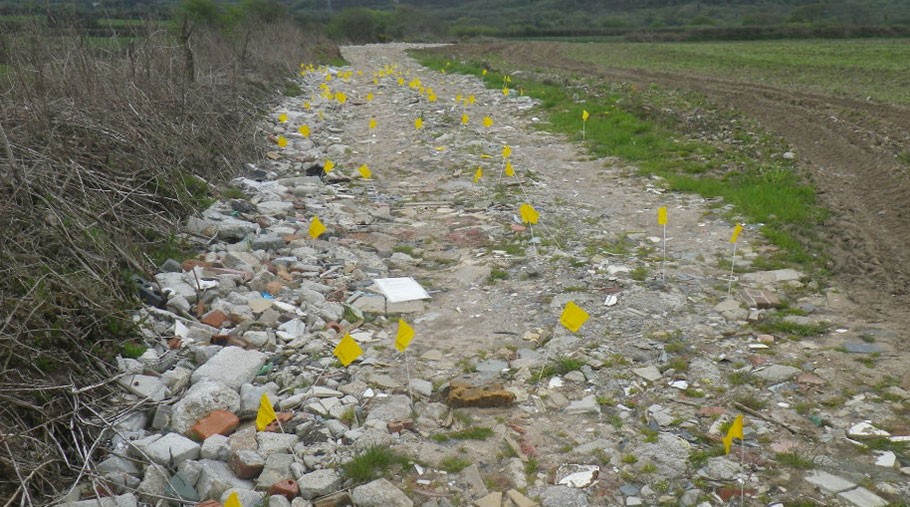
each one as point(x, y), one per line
point(231, 366)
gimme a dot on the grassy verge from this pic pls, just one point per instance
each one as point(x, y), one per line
point(626, 122)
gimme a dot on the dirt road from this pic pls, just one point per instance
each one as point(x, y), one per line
point(848, 148)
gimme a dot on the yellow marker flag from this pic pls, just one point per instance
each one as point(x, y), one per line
point(341, 98)
point(458, 98)
point(404, 336)
point(432, 97)
point(735, 431)
point(487, 121)
point(471, 99)
point(662, 215)
point(464, 119)
point(483, 72)
point(329, 165)
point(364, 172)
point(478, 175)
point(304, 131)
point(573, 317)
point(347, 350)
point(508, 79)
point(370, 97)
point(282, 142)
point(418, 123)
point(440, 148)
point(484, 155)
point(506, 151)
point(316, 228)
point(233, 501)
point(282, 117)
point(509, 170)
point(328, 77)
point(736, 230)
point(585, 115)
point(529, 215)
point(505, 90)
point(306, 105)
point(266, 413)
point(372, 123)
point(400, 81)
point(375, 81)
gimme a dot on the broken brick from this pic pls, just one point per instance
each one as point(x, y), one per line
point(217, 422)
point(286, 487)
point(215, 318)
point(401, 425)
point(466, 395)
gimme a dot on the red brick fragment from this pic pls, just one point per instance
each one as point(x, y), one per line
point(217, 422)
point(282, 417)
point(286, 487)
point(711, 411)
point(401, 425)
point(215, 318)
point(189, 264)
point(728, 493)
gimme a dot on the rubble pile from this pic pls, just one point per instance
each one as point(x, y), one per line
point(494, 403)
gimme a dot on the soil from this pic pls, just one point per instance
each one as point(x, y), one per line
point(846, 146)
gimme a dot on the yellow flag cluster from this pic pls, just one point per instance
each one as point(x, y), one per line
point(347, 350)
point(735, 431)
point(573, 317)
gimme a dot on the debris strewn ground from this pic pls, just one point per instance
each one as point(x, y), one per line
point(496, 402)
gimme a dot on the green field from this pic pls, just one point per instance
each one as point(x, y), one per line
point(879, 69)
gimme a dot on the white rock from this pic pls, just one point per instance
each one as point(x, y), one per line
point(886, 459)
point(380, 493)
point(145, 386)
point(866, 429)
point(215, 478)
point(171, 449)
point(318, 483)
point(199, 401)
point(649, 373)
point(232, 366)
point(216, 447)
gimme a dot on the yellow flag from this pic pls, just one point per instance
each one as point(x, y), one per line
point(584, 115)
point(509, 170)
point(282, 142)
point(478, 175)
point(505, 90)
point(400, 81)
point(735, 431)
point(484, 155)
point(364, 172)
point(341, 98)
point(304, 130)
point(347, 350)
point(375, 81)
point(458, 98)
point(529, 215)
point(736, 230)
point(573, 317)
point(662, 215)
point(440, 148)
point(471, 99)
point(372, 123)
point(329, 165)
point(404, 336)
point(487, 121)
point(431, 97)
point(418, 123)
point(282, 117)
point(508, 79)
point(316, 228)
point(506, 151)
point(306, 105)
point(266, 413)
point(328, 77)
point(233, 501)
point(483, 72)
point(464, 119)
point(370, 97)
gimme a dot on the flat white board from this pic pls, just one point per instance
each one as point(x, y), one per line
point(398, 290)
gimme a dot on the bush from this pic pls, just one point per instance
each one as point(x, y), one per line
point(106, 144)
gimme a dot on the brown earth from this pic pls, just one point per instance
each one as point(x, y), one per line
point(847, 147)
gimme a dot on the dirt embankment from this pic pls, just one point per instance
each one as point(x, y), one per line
point(846, 146)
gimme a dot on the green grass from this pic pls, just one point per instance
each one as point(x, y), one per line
point(454, 465)
point(776, 325)
point(473, 433)
point(622, 124)
point(498, 274)
point(840, 67)
point(132, 350)
point(374, 462)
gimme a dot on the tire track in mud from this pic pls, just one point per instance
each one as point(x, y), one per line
point(846, 146)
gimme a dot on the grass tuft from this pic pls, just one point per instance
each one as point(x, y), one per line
point(376, 461)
